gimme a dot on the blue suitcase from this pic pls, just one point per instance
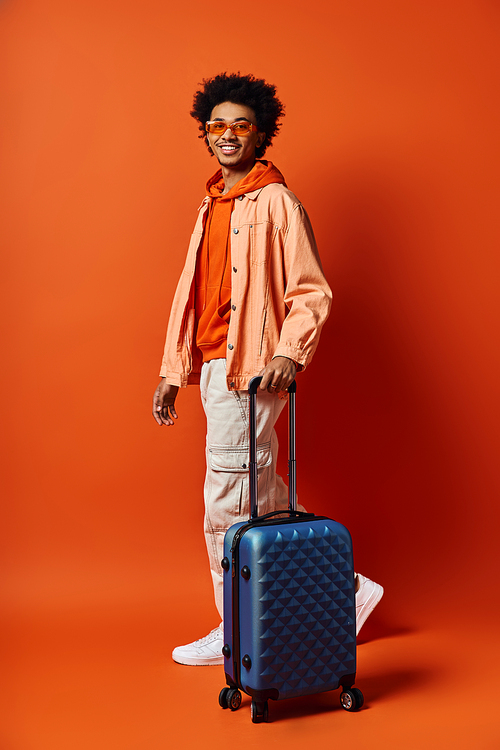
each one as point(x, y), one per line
point(289, 608)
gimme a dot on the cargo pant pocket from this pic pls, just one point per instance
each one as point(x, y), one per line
point(231, 459)
point(227, 500)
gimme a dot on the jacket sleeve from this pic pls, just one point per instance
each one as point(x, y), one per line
point(308, 296)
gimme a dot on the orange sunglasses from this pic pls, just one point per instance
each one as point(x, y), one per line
point(240, 127)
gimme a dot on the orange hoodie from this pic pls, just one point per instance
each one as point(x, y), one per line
point(213, 267)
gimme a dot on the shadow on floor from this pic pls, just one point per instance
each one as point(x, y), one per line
point(377, 629)
point(374, 689)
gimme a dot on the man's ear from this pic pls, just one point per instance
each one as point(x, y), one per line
point(261, 139)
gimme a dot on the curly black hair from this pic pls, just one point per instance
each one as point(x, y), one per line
point(248, 90)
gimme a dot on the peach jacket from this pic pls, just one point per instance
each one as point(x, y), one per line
point(280, 298)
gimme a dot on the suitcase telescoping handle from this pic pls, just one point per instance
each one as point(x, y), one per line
point(292, 470)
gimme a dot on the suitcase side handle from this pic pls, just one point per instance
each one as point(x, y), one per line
point(292, 469)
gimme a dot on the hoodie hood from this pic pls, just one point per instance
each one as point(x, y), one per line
point(262, 173)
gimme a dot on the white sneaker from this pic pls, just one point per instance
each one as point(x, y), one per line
point(367, 597)
point(202, 653)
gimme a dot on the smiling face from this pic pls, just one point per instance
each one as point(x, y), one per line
point(235, 152)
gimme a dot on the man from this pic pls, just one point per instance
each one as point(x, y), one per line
point(252, 299)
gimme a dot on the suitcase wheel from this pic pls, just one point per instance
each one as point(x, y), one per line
point(223, 697)
point(351, 699)
point(259, 712)
point(234, 699)
point(230, 698)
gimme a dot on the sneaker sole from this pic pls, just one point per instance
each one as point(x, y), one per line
point(368, 606)
point(189, 661)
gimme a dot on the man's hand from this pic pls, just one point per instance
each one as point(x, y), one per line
point(278, 374)
point(164, 403)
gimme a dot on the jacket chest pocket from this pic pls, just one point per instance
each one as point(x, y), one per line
point(262, 235)
point(229, 458)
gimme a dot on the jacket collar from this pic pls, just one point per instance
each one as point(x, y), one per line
point(254, 194)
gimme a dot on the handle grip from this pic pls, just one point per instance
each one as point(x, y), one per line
point(256, 381)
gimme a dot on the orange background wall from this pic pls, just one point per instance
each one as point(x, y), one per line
point(391, 142)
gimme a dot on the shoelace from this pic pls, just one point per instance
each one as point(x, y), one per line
point(212, 636)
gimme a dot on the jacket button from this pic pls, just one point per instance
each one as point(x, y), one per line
point(240, 197)
point(231, 385)
point(235, 269)
point(233, 307)
point(236, 231)
point(230, 346)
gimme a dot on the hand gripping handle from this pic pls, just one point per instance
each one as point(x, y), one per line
point(292, 470)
